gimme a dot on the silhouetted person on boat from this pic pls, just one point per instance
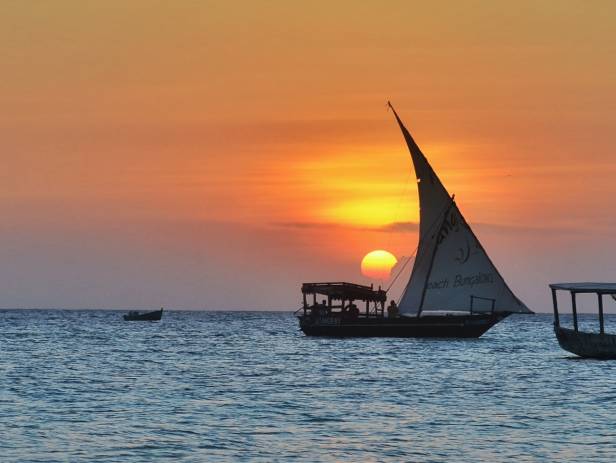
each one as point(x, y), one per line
point(314, 312)
point(319, 309)
point(326, 308)
point(392, 310)
point(353, 311)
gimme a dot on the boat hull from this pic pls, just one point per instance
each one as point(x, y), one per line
point(587, 345)
point(149, 316)
point(431, 326)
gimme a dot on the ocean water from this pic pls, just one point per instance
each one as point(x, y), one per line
point(248, 386)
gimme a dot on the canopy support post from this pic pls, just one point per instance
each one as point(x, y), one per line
point(574, 310)
point(601, 324)
point(555, 304)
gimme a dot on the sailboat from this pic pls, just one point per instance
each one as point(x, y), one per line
point(454, 290)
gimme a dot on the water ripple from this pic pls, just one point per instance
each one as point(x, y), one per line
point(248, 386)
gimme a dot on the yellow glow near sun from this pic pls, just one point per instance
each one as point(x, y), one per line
point(372, 212)
point(355, 187)
point(378, 264)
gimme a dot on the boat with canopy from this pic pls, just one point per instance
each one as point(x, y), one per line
point(454, 289)
point(586, 344)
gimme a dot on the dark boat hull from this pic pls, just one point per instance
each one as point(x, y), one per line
point(588, 345)
point(149, 316)
point(431, 326)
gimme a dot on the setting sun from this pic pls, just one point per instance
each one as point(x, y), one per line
point(378, 264)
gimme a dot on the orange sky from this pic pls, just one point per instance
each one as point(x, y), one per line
point(215, 154)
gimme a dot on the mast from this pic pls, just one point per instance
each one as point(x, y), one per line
point(423, 292)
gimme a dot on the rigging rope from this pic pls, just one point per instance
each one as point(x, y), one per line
point(400, 271)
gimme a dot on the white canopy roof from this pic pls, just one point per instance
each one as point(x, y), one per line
point(586, 287)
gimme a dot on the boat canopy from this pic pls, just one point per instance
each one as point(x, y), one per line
point(346, 291)
point(600, 289)
point(586, 287)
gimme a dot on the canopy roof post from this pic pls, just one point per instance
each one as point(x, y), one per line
point(574, 310)
point(555, 304)
point(601, 324)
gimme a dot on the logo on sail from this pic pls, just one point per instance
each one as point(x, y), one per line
point(472, 280)
point(463, 253)
point(459, 280)
point(450, 224)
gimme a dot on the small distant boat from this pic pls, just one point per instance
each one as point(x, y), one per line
point(454, 291)
point(585, 344)
point(148, 316)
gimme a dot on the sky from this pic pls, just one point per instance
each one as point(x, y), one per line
point(215, 155)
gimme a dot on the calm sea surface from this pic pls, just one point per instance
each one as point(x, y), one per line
point(222, 386)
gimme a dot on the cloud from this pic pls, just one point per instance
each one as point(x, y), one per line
point(528, 229)
point(314, 225)
point(403, 227)
point(413, 227)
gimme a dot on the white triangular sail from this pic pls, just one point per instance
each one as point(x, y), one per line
point(452, 271)
point(462, 277)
